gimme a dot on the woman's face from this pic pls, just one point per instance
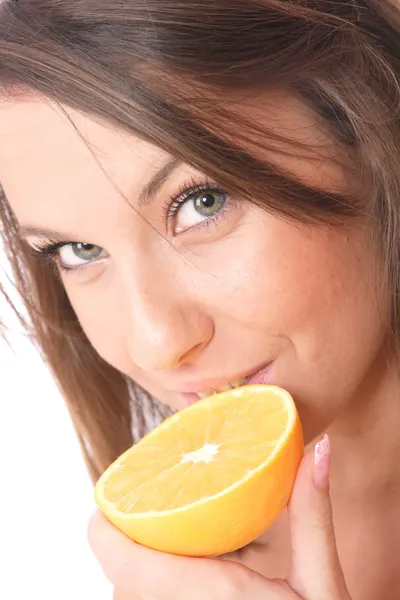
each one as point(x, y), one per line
point(183, 288)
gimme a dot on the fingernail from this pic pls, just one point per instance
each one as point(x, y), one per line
point(321, 463)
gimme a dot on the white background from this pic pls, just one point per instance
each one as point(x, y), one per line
point(46, 497)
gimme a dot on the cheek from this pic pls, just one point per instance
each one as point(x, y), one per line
point(317, 290)
point(284, 277)
point(333, 309)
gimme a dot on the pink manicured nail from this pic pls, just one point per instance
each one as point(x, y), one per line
point(321, 463)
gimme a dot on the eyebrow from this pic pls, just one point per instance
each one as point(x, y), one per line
point(146, 196)
point(151, 188)
point(55, 236)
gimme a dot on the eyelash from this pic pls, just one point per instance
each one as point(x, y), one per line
point(48, 252)
point(188, 190)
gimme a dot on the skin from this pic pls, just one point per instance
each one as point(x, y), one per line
point(308, 301)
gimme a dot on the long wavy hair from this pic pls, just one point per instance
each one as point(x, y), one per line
point(174, 72)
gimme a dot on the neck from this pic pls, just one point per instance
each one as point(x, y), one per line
point(365, 438)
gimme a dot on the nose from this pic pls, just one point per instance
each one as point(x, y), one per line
point(167, 327)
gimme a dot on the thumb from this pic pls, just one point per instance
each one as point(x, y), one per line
point(316, 573)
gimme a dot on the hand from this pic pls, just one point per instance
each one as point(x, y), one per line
point(315, 574)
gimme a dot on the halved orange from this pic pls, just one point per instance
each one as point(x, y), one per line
point(209, 479)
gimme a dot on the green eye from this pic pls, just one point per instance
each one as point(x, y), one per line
point(86, 251)
point(198, 204)
point(207, 204)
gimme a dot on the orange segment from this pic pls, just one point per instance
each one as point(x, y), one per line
point(211, 478)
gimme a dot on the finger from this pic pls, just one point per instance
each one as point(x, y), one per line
point(160, 576)
point(316, 573)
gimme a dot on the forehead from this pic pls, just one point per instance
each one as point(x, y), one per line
point(31, 126)
point(38, 138)
point(46, 154)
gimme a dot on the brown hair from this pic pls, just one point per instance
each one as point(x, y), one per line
point(166, 71)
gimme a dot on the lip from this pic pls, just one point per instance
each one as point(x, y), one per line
point(260, 377)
